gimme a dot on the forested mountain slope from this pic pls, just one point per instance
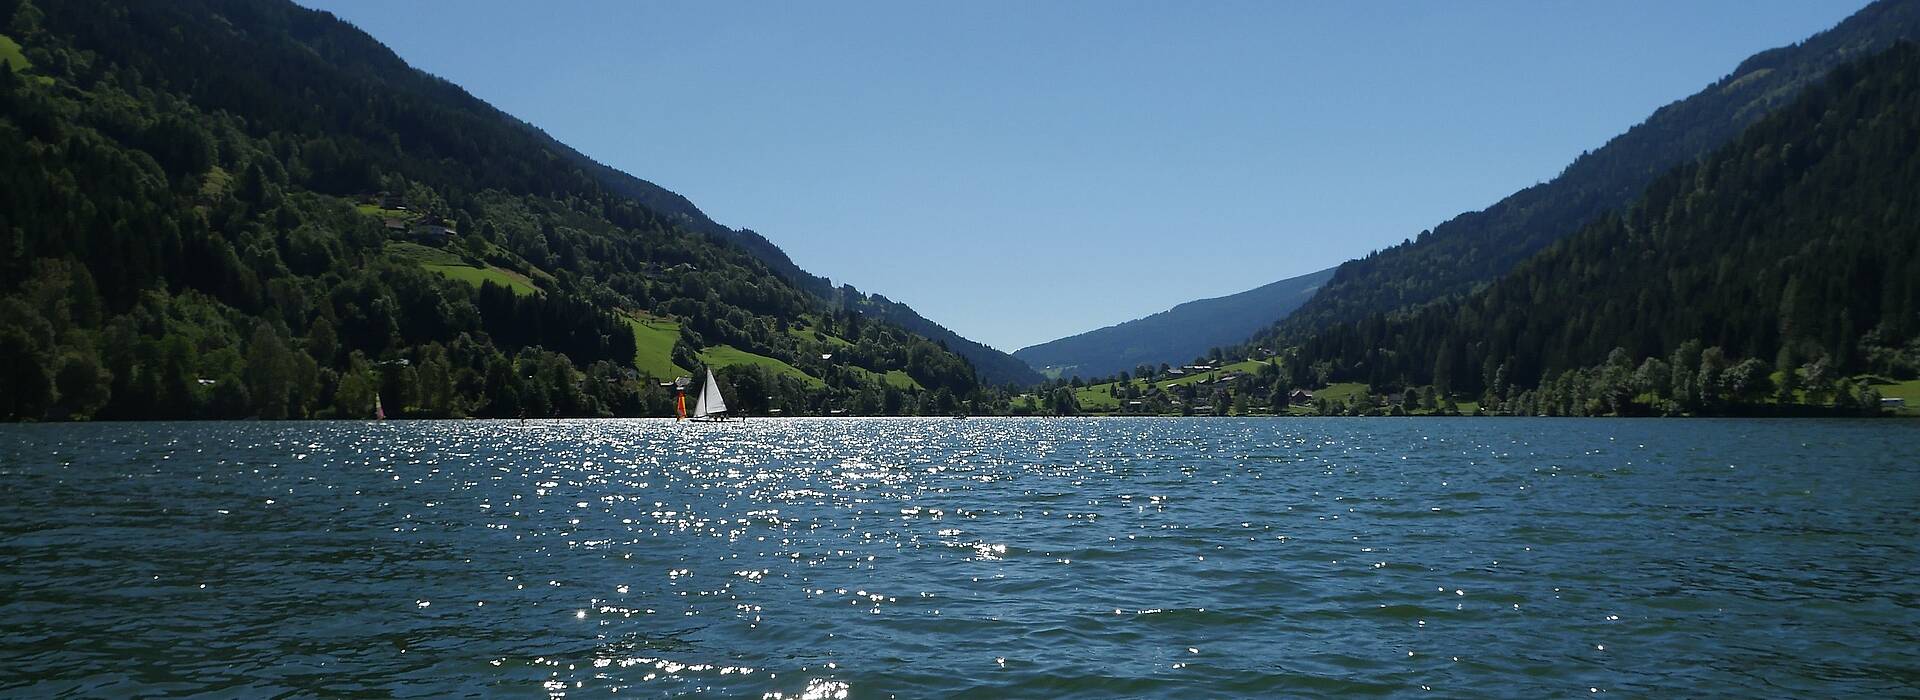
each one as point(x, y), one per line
point(233, 208)
point(993, 366)
point(1778, 265)
point(1474, 248)
point(1175, 336)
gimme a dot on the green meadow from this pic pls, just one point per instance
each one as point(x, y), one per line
point(728, 356)
point(10, 54)
point(450, 265)
point(895, 378)
point(653, 340)
point(1909, 390)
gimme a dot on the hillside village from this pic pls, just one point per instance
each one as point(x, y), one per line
point(1266, 387)
point(1217, 387)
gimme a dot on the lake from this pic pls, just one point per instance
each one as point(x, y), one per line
point(987, 557)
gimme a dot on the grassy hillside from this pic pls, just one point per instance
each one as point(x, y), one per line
point(808, 335)
point(728, 356)
point(653, 341)
point(452, 266)
point(10, 54)
point(893, 378)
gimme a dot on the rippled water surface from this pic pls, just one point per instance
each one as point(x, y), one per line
point(991, 557)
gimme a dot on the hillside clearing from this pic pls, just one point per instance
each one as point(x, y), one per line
point(653, 340)
point(10, 54)
point(729, 356)
point(452, 266)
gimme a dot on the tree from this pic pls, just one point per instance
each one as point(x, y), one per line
point(1869, 401)
point(26, 390)
point(1788, 388)
point(437, 396)
point(1063, 403)
point(1818, 378)
point(269, 373)
point(399, 387)
point(322, 344)
point(1616, 385)
point(1747, 382)
point(1711, 381)
point(83, 386)
point(1654, 377)
point(228, 398)
point(354, 397)
point(1279, 398)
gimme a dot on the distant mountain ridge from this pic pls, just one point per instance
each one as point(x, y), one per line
point(1176, 335)
point(1472, 249)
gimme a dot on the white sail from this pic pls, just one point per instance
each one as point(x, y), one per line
point(710, 402)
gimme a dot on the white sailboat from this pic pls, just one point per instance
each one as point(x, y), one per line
point(710, 407)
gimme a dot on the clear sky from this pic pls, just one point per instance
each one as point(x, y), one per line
point(1023, 171)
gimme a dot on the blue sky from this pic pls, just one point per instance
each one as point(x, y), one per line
point(1025, 171)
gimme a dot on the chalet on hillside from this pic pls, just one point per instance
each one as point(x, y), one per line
point(433, 234)
point(1299, 397)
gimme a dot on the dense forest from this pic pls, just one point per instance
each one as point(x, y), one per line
point(229, 208)
point(1767, 274)
point(1469, 251)
point(1779, 275)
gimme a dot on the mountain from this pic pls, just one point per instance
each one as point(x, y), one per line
point(994, 367)
point(1472, 249)
point(1766, 273)
point(1175, 336)
point(234, 208)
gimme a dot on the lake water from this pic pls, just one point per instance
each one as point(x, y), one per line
point(985, 557)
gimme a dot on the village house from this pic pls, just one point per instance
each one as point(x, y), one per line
point(432, 234)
